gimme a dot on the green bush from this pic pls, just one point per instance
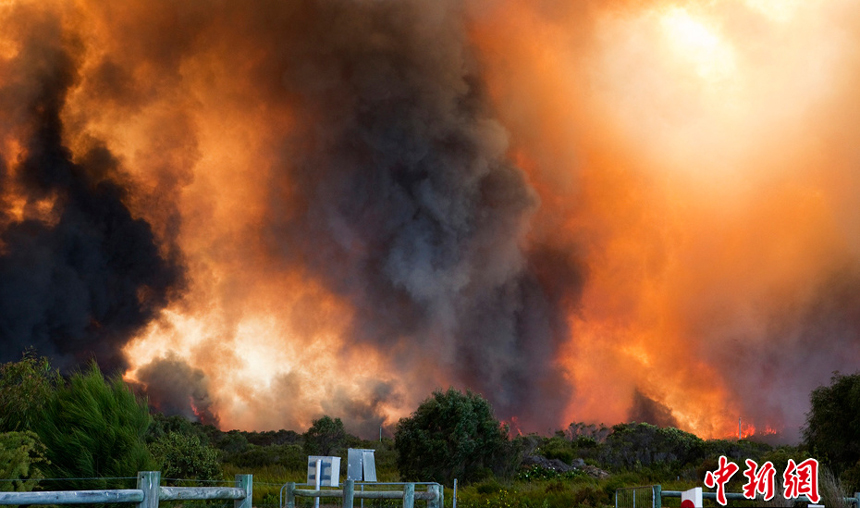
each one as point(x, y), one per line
point(183, 456)
point(25, 388)
point(21, 454)
point(93, 428)
point(162, 425)
point(558, 448)
point(589, 495)
point(451, 435)
point(539, 473)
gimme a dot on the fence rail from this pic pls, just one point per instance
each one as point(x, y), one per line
point(147, 494)
point(651, 496)
point(434, 495)
point(627, 497)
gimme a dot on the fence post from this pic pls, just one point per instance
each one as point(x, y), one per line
point(438, 500)
point(658, 496)
point(409, 495)
point(348, 491)
point(291, 495)
point(857, 500)
point(246, 483)
point(148, 482)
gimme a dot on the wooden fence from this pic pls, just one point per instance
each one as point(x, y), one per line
point(147, 494)
point(434, 494)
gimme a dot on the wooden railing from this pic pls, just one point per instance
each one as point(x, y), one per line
point(147, 494)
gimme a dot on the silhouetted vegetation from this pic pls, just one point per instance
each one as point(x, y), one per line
point(832, 431)
point(89, 426)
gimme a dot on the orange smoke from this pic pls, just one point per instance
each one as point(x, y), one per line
point(677, 197)
point(691, 152)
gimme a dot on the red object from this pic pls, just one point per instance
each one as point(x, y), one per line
point(801, 480)
point(759, 480)
point(720, 477)
point(687, 504)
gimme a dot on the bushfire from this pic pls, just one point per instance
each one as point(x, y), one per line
point(263, 211)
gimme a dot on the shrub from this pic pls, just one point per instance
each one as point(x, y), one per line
point(94, 428)
point(20, 456)
point(451, 435)
point(183, 456)
point(558, 448)
point(25, 388)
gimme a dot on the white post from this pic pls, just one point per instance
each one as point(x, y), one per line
point(455, 493)
point(317, 482)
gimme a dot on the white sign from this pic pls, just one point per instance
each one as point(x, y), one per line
point(693, 496)
point(329, 471)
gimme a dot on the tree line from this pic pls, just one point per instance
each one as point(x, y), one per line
point(88, 426)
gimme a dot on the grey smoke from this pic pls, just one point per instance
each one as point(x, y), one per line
point(648, 410)
point(79, 282)
point(402, 199)
point(175, 388)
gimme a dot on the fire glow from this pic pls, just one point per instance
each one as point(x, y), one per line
point(586, 211)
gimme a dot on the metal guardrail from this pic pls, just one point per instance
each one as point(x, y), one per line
point(737, 496)
point(627, 497)
point(434, 495)
point(147, 494)
point(655, 494)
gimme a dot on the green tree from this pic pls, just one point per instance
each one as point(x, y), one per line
point(25, 388)
point(94, 427)
point(21, 454)
point(832, 430)
point(451, 435)
point(326, 436)
point(184, 456)
point(162, 425)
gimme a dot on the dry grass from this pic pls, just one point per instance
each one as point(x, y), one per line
point(829, 488)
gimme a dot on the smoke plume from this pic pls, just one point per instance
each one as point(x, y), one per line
point(404, 202)
point(647, 410)
point(79, 275)
point(177, 389)
point(586, 211)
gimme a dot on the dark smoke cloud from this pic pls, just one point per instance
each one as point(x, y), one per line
point(648, 410)
point(362, 417)
point(175, 388)
point(403, 200)
point(78, 280)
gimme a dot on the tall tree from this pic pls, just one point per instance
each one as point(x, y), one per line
point(326, 436)
point(832, 431)
point(451, 435)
